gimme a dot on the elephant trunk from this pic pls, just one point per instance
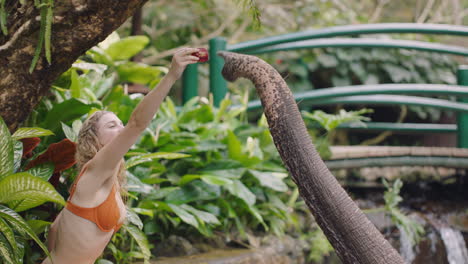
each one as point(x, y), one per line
point(354, 237)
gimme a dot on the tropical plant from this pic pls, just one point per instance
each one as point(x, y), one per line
point(330, 123)
point(221, 180)
point(20, 191)
point(413, 229)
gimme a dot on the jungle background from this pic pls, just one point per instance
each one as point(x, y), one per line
point(204, 177)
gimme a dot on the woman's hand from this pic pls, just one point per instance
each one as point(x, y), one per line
point(180, 60)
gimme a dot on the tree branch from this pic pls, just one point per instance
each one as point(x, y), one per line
point(425, 12)
point(81, 25)
point(378, 10)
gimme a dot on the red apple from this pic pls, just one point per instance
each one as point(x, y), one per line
point(202, 54)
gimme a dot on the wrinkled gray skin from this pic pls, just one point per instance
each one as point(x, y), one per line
point(354, 237)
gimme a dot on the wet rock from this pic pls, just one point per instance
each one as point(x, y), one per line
point(272, 250)
point(175, 246)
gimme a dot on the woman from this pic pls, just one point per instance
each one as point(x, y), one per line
point(95, 210)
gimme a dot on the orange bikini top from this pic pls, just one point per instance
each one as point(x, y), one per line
point(105, 216)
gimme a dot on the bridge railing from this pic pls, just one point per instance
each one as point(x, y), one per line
point(370, 94)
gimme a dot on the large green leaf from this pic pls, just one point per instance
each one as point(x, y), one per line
point(161, 193)
point(19, 225)
point(216, 180)
point(194, 191)
point(184, 215)
point(141, 240)
point(7, 232)
point(234, 146)
point(69, 132)
point(43, 171)
point(6, 151)
point(139, 73)
point(133, 218)
point(28, 132)
point(143, 211)
point(127, 47)
point(237, 188)
point(188, 178)
point(98, 55)
point(65, 111)
point(257, 215)
point(134, 184)
point(149, 157)
point(272, 180)
point(22, 191)
point(201, 114)
point(38, 226)
point(6, 253)
point(75, 88)
point(202, 215)
point(227, 173)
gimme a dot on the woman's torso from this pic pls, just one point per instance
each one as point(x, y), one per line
point(79, 240)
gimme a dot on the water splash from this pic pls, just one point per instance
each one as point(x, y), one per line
point(406, 247)
point(454, 245)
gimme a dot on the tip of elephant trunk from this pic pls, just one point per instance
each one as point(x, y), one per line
point(228, 72)
point(227, 55)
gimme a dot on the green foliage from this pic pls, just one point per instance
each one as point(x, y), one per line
point(127, 47)
point(331, 122)
point(253, 9)
point(115, 54)
point(334, 67)
point(27, 132)
point(224, 162)
point(46, 10)
point(319, 245)
point(6, 151)
point(13, 225)
point(20, 191)
point(392, 198)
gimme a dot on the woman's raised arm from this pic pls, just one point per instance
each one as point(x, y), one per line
point(111, 154)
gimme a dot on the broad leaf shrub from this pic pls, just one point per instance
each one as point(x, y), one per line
point(21, 191)
point(199, 170)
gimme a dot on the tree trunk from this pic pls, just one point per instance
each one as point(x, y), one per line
point(77, 26)
point(354, 237)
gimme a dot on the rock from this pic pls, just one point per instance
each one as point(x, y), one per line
point(175, 246)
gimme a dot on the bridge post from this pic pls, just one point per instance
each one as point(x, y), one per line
point(462, 118)
point(218, 85)
point(190, 82)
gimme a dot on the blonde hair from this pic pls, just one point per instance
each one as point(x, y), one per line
point(88, 145)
